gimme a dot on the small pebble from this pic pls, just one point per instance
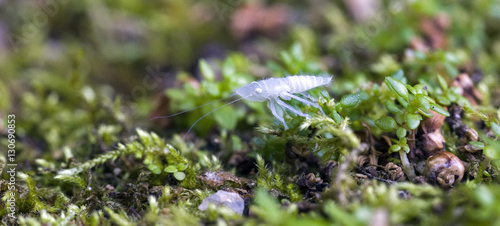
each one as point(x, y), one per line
point(230, 200)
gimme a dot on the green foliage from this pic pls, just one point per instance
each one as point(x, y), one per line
point(386, 123)
point(349, 101)
point(31, 202)
point(295, 61)
point(397, 87)
point(331, 140)
point(496, 129)
point(269, 213)
point(120, 218)
point(413, 120)
point(155, 152)
point(415, 102)
point(269, 179)
point(64, 218)
point(206, 71)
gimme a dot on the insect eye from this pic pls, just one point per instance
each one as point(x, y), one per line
point(258, 90)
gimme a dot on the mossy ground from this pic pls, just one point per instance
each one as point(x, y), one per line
point(82, 79)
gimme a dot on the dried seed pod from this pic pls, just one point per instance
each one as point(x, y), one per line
point(432, 139)
point(395, 171)
point(469, 148)
point(471, 134)
point(432, 142)
point(433, 123)
point(444, 168)
point(362, 160)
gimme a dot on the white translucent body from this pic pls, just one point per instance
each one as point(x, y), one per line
point(273, 89)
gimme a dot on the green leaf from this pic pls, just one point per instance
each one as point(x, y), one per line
point(400, 117)
point(287, 59)
point(325, 94)
point(155, 169)
point(425, 112)
point(413, 120)
point(451, 70)
point(397, 87)
point(394, 148)
point(402, 101)
point(171, 169)
point(399, 75)
point(423, 101)
point(432, 101)
point(411, 89)
point(492, 150)
point(477, 144)
point(228, 68)
point(443, 100)
point(149, 159)
point(337, 117)
point(440, 110)
point(349, 101)
point(403, 141)
point(363, 95)
point(179, 176)
point(442, 83)
point(401, 132)
point(391, 107)
point(419, 89)
point(406, 148)
point(211, 87)
point(206, 71)
point(297, 52)
point(496, 129)
point(386, 123)
point(452, 94)
point(182, 166)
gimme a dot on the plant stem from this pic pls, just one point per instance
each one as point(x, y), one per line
point(411, 143)
point(407, 168)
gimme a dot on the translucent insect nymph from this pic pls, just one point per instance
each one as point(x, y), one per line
point(275, 90)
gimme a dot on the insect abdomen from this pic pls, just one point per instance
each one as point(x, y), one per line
point(302, 83)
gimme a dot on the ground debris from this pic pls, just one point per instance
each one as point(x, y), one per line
point(218, 178)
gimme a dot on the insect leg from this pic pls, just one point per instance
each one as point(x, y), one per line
point(316, 105)
point(270, 105)
point(283, 104)
point(308, 96)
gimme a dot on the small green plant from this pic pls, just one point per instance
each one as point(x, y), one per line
point(269, 179)
point(414, 105)
point(159, 157)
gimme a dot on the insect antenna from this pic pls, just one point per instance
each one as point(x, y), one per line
point(178, 113)
point(208, 114)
